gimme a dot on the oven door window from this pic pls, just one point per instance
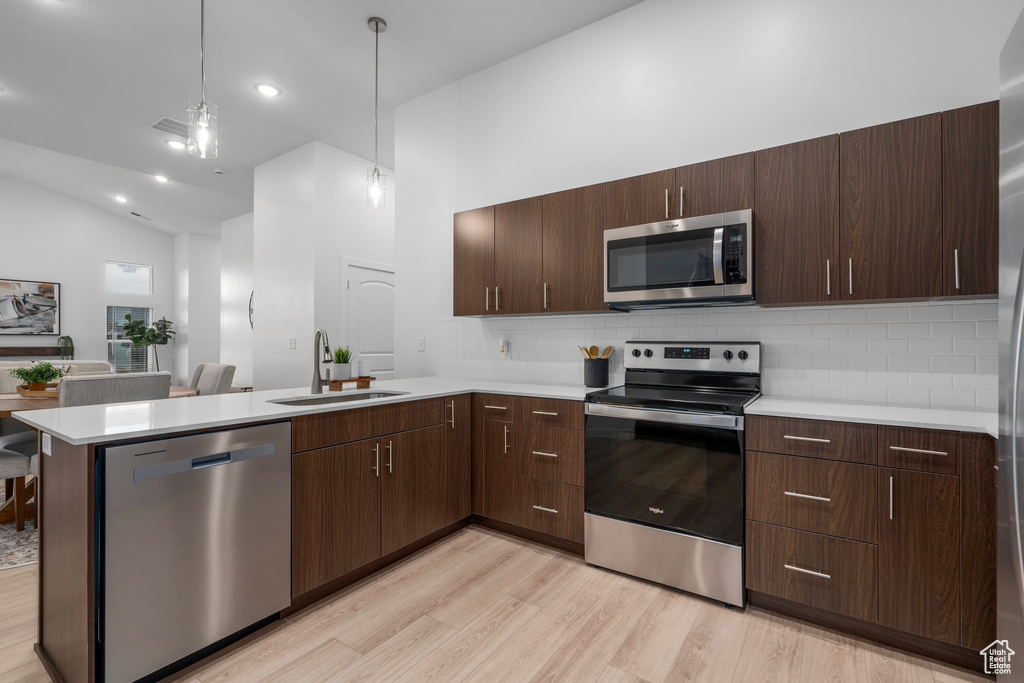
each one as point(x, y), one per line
point(678, 477)
point(669, 261)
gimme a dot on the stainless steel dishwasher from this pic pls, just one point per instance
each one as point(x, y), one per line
point(195, 544)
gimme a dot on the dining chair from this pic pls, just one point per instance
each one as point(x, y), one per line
point(14, 467)
point(213, 378)
point(83, 390)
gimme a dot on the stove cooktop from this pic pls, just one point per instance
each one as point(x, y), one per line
point(673, 398)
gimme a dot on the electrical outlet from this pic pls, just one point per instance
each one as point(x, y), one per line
point(291, 343)
point(421, 344)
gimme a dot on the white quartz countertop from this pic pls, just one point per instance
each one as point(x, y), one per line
point(960, 420)
point(126, 421)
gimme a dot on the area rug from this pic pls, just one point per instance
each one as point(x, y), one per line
point(17, 549)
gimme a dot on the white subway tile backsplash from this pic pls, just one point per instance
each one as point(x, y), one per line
point(943, 354)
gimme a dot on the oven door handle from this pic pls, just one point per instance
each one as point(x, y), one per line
point(732, 422)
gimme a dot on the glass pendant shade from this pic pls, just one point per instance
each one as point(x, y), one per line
point(202, 129)
point(375, 188)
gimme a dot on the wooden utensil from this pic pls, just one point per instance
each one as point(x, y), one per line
point(594, 353)
point(607, 352)
point(586, 354)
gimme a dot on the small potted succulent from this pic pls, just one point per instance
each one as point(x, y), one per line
point(37, 375)
point(341, 369)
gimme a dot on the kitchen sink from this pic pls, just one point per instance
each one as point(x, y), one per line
point(336, 398)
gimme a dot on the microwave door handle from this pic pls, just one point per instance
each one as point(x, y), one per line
point(717, 255)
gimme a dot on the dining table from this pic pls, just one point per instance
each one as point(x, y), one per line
point(12, 403)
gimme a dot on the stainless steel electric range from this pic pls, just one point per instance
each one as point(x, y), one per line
point(664, 461)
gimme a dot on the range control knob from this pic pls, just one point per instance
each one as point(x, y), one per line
point(636, 353)
point(648, 353)
point(727, 355)
point(743, 355)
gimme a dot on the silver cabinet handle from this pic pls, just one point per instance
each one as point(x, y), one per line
point(681, 205)
point(496, 407)
point(956, 266)
point(376, 453)
point(807, 497)
point(506, 439)
point(544, 509)
point(806, 438)
point(890, 497)
point(389, 458)
point(666, 203)
point(487, 298)
point(545, 296)
point(546, 455)
point(544, 412)
point(916, 450)
point(851, 276)
point(452, 421)
point(807, 571)
point(497, 298)
point(828, 277)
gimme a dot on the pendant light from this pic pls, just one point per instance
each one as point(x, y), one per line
point(375, 180)
point(202, 116)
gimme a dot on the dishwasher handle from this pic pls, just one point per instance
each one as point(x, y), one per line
point(167, 469)
point(211, 461)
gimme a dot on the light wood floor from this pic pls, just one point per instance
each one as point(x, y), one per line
point(482, 606)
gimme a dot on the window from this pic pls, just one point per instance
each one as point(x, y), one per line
point(129, 278)
point(120, 353)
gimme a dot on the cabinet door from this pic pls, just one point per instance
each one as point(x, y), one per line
point(919, 553)
point(412, 486)
point(498, 464)
point(335, 513)
point(714, 186)
point(890, 207)
point(978, 539)
point(474, 262)
point(641, 199)
point(970, 200)
point(796, 223)
point(518, 256)
point(458, 446)
point(574, 225)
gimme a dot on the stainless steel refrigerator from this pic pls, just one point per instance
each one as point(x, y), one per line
point(1011, 360)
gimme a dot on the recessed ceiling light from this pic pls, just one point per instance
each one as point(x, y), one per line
point(160, 178)
point(268, 90)
point(119, 199)
point(177, 145)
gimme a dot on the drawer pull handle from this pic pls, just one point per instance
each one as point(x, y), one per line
point(916, 450)
point(807, 497)
point(544, 412)
point(806, 438)
point(496, 407)
point(807, 571)
point(544, 509)
point(546, 455)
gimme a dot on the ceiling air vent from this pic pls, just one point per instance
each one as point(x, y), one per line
point(169, 125)
point(139, 215)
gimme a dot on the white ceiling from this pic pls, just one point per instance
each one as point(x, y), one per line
point(87, 78)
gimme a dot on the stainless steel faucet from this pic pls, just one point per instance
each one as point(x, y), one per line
point(321, 349)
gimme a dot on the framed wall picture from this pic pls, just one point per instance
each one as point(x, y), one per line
point(28, 307)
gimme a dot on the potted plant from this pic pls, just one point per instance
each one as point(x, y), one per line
point(342, 367)
point(37, 375)
point(143, 336)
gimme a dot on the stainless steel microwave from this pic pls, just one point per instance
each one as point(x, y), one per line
point(685, 262)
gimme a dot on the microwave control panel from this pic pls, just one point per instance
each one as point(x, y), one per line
point(734, 254)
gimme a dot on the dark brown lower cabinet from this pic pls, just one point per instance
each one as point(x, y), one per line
point(498, 463)
point(919, 553)
point(335, 513)
point(412, 486)
point(458, 446)
point(978, 455)
point(550, 508)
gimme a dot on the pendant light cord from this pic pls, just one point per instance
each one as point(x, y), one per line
point(376, 82)
point(202, 45)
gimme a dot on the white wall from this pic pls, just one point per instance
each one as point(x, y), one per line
point(47, 236)
point(660, 85)
point(309, 211)
point(197, 302)
point(236, 337)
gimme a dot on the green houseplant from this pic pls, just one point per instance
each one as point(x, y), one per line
point(143, 336)
point(342, 367)
point(37, 375)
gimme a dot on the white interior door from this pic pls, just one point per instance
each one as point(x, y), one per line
point(371, 317)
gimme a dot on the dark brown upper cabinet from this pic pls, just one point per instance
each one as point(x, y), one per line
point(639, 200)
point(714, 186)
point(474, 262)
point(890, 208)
point(574, 225)
point(518, 257)
point(970, 200)
point(796, 223)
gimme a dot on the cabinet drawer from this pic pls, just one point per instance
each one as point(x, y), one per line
point(845, 441)
point(550, 453)
point(926, 450)
point(824, 496)
point(546, 412)
point(812, 569)
point(496, 407)
point(344, 426)
point(552, 509)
